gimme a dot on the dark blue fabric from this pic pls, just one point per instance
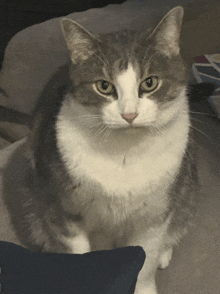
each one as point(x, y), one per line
point(209, 79)
point(208, 70)
point(100, 272)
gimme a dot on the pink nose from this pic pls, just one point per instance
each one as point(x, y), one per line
point(129, 117)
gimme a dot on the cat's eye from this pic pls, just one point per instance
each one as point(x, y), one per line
point(149, 84)
point(105, 87)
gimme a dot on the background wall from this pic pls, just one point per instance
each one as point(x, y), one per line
point(202, 16)
point(16, 15)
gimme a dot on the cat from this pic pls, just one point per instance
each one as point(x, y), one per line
point(113, 154)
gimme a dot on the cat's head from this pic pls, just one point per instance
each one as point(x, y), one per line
point(128, 79)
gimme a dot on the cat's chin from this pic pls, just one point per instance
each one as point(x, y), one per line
point(136, 129)
point(130, 129)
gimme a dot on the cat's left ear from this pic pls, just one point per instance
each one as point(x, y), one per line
point(80, 42)
point(167, 33)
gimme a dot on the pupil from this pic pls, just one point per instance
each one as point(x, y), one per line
point(105, 85)
point(149, 82)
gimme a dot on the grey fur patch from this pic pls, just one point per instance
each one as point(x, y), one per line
point(184, 193)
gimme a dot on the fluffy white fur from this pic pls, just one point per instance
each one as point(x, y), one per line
point(129, 161)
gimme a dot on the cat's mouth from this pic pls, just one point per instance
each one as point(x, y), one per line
point(134, 128)
point(128, 127)
point(131, 127)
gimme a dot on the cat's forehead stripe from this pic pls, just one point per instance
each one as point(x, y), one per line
point(127, 79)
point(126, 84)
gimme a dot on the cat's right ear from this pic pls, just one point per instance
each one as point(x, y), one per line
point(167, 33)
point(80, 42)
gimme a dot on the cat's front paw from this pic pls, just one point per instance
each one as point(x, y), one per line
point(144, 289)
point(79, 244)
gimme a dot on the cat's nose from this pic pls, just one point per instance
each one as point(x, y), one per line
point(129, 117)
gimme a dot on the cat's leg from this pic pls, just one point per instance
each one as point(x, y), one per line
point(79, 244)
point(71, 234)
point(153, 241)
point(53, 240)
point(76, 237)
point(146, 278)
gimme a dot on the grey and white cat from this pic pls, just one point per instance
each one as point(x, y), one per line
point(113, 157)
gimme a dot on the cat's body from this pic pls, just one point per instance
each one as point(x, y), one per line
point(112, 158)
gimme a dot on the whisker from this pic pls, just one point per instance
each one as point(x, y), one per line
point(161, 128)
point(90, 115)
point(109, 131)
point(203, 113)
point(115, 124)
point(147, 64)
point(145, 54)
point(99, 57)
point(95, 125)
point(106, 133)
point(158, 128)
point(86, 119)
point(100, 130)
point(195, 119)
point(153, 130)
point(200, 121)
point(200, 132)
point(189, 155)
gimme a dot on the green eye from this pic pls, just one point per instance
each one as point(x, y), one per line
point(105, 87)
point(149, 84)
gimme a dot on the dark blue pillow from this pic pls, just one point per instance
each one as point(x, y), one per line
point(99, 272)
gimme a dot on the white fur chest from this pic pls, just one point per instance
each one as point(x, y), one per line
point(144, 168)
